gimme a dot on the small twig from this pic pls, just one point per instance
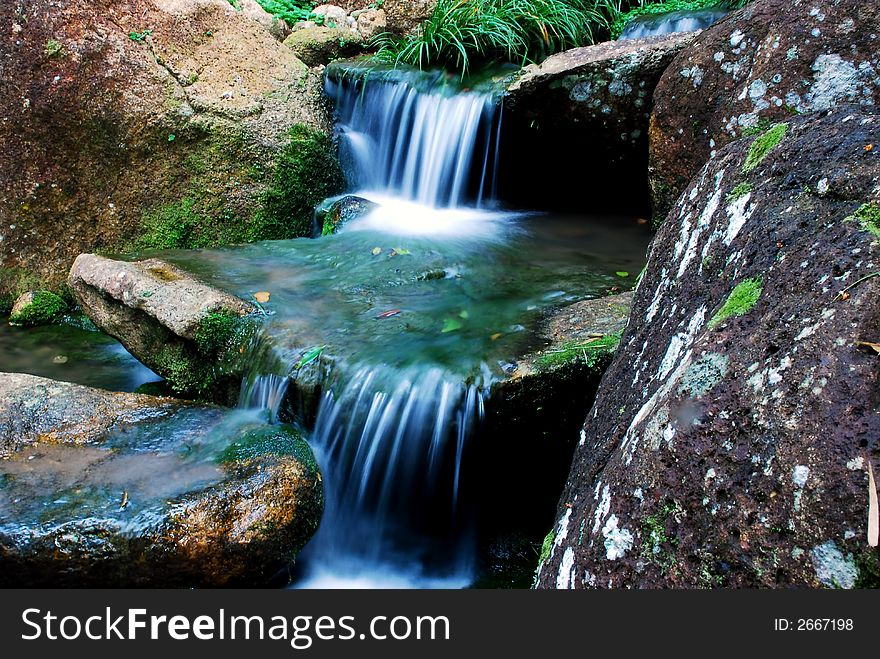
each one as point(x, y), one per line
point(856, 283)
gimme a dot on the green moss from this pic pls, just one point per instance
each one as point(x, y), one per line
point(281, 440)
point(305, 174)
point(44, 309)
point(172, 226)
point(763, 145)
point(14, 282)
point(157, 388)
point(184, 372)
point(53, 48)
point(739, 191)
point(547, 546)
point(594, 353)
point(868, 216)
point(217, 330)
point(763, 124)
point(659, 545)
point(740, 301)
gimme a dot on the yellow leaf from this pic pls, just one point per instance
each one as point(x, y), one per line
point(869, 344)
point(873, 510)
point(377, 251)
point(262, 297)
point(496, 336)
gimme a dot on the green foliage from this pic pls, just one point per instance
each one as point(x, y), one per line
point(291, 11)
point(868, 216)
point(139, 36)
point(642, 8)
point(306, 173)
point(459, 32)
point(741, 190)
point(593, 352)
point(44, 309)
point(53, 48)
point(740, 301)
point(763, 145)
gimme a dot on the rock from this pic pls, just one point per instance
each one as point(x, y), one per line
point(191, 334)
point(334, 213)
point(761, 64)
point(37, 308)
point(404, 16)
point(333, 16)
point(81, 504)
point(276, 26)
point(136, 124)
point(371, 22)
point(595, 100)
point(533, 417)
point(321, 45)
point(731, 436)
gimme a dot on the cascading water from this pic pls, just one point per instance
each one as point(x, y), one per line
point(652, 25)
point(416, 138)
point(392, 441)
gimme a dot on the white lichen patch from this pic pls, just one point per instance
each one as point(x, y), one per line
point(800, 474)
point(833, 569)
point(565, 577)
point(836, 81)
point(618, 540)
point(602, 509)
point(737, 216)
point(856, 464)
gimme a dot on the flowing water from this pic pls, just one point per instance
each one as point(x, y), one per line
point(652, 25)
point(419, 306)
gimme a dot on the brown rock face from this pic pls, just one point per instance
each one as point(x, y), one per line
point(116, 111)
point(192, 334)
point(99, 489)
point(590, 108)
point(404, 16)
point(767, 62)
point(729, 442)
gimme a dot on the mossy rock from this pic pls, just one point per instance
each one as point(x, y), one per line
point(37, 308)
point(335, 213)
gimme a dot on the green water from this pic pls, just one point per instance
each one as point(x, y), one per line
point(70, 354)
point(457, 300)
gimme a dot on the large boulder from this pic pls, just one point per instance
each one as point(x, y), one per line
point(405, 16)
point(321, 45)
point(731, 438)
point(106, 489)
point(195, 336)
point(144, 123)
point(590, 107)
point(767, 62)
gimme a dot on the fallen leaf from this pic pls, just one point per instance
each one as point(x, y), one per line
point(377, 251)
point(464, 314)
point(869, 147)
point(124, 502)
point(873, 510)
point(59, 359)
point(496, 336)
point(309, 356)
point(262, 297)
point(622, 273)
point(868, 344)
point(388, 314)
point(401, 251)
point(450, 325)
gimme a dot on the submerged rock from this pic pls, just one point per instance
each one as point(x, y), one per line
point(37, 308)
point(766, 62)
point(193, 335)
point(99, 489)
point(134, 123)
point(321, 45)
point(596, 101)
point(331, 216)
point(730, 440)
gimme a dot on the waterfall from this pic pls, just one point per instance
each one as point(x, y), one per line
point(392, 445)
point(263, 392)
point(409, 136)
point(651, 25)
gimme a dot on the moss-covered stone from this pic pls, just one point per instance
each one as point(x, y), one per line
point(38, 308)
point(741, 190)
point(763, 145)
point(217, 330)
point(305, 173)
point(595, 353)
point(13, 283)
point(279, 440)
point(740, 301)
